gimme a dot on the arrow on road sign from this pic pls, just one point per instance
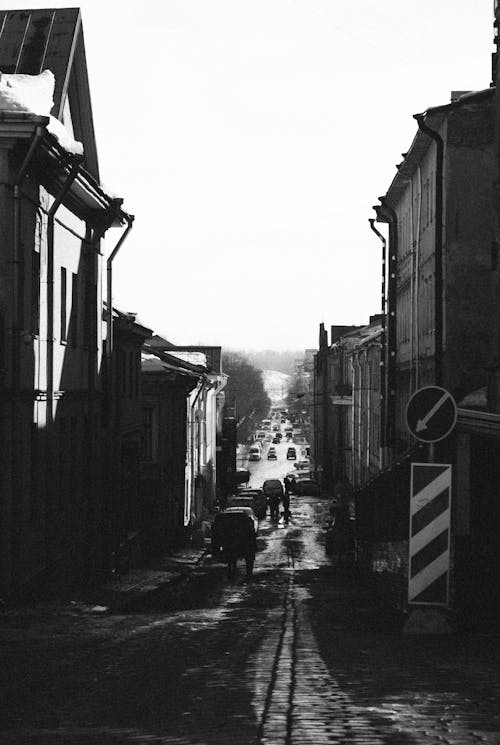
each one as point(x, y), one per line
point(431, 413)
point(422, 423)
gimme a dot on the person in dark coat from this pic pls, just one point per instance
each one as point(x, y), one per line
point(286, 499)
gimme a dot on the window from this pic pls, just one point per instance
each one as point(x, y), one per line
point(63, 336)
point(149, 435)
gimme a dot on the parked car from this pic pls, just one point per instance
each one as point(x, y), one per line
point(248, 511)
point(302, 464)
point(242, 476)
point(306, 487)
point(254, 498)
point(291, 454)
point(259, 502)
point(276, 440)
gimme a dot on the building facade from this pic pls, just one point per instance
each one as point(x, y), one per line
point(55, 508)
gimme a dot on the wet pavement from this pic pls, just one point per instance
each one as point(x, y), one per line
point(301, 653)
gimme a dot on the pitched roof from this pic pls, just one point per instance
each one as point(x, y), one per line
point(35, 40)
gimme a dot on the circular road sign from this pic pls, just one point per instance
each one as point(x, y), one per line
point(431, 413)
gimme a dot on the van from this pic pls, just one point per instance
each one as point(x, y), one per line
point(255, 452)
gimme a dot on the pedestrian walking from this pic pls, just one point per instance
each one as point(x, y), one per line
point(274, 504)
point(286, 500)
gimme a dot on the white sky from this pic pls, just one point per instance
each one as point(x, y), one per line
point(250, 138)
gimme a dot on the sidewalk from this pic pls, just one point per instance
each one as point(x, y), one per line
point(120, 592)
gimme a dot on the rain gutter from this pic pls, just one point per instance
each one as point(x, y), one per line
point(387, 214)
point(382, 339)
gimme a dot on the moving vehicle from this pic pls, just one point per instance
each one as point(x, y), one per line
point(234, 537)
point(272, 455)
point(255, 452)
point(291, 454)
point(273, 488)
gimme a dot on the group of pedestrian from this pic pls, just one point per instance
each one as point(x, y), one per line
point(284, 499)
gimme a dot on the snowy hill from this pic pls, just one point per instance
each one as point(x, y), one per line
point(276, 384)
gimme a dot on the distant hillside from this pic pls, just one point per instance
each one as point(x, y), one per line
point(272, 359)
point(276, 384)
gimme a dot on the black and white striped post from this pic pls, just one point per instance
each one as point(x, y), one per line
point(431, 415)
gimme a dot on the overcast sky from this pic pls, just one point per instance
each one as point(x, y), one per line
point(250, 138)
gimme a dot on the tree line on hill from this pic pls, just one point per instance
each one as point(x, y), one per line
point(246, 393)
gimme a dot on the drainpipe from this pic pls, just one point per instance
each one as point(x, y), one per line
point(417, 283)
point(412, 290)
point(388, 214)
point(383, 372)
point(18, 260)
point(109, 296)
point(438, 247)
point(73, 172)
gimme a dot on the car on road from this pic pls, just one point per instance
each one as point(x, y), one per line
point(306, 487)
point(276, 440)
point(272, 488)
point(234, 536)
point(254, 498)
point(291, 454)
point(272, 455)
point(255, 452)
point(248, 511)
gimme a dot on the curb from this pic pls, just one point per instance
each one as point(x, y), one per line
point(135, 595)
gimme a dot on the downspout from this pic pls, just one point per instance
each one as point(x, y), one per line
point(412, 291)
point(73, 172)
point(109, 297)
point(383, 372)
point(390, 422)
point(438, 248)
point(417, 282)
point(18, 260)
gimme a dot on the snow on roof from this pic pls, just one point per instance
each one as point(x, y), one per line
point(194, 358)
point(34, 94)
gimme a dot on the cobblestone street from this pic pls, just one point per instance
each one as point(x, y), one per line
point(301, 653)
